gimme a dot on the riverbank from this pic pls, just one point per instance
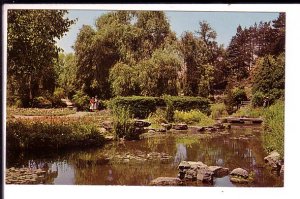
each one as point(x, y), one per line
point(273, 124)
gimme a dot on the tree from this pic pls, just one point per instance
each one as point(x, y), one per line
point(159, 74)
point(269, 76)
point(279, 35)
point(66, 73)
point(31, 51)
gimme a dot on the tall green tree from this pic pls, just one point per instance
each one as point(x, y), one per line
point(32, 50)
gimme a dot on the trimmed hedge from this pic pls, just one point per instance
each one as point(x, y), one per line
point(141, 107)
point(187, 103)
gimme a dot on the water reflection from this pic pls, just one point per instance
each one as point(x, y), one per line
point(181, 153)
point(91, 168)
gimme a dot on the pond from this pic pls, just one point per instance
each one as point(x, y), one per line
point(139, 162)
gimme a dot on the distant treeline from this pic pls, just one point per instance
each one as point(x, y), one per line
point(134, 53)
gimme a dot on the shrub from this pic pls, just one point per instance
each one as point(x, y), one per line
point(186, 103)
point(81, 100)
point(233, 99)
point(123, 125)
point(58, 94)
point(138, 106)
point(193, 117)
point(41, 102)
point(218, 110)
point(258, 99)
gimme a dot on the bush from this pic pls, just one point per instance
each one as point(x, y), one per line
point(58, 94)
point(137, 106)
point(258, 99)
point(193, 117)
point(81, 100)
point(41, 102)
point(218, 110)
point(186, 103)
point(123, 125)
point(234, 98)
point(24, 134)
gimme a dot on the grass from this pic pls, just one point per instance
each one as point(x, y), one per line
point(273, 117)
point(52, 132)
point(39, 111)
point(218, 110)
point(28, 134)
point(195, 117)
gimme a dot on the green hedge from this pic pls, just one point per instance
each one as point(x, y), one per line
point(186, 103)
point(33, 135)
point(141, 107)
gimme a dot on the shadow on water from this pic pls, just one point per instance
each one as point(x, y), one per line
point(139, 162)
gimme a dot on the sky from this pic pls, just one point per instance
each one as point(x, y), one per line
point(224, 23)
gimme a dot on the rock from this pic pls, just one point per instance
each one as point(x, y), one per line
point(184, 165)
point(204, 174)
point(151, 131)
point(103, 130)
point(239, 172)
point(219, 126)
point(181, 126)
point(166, 126)
point(161, 130)
point(197, 128)
point(191, 174)
point(273, 160)
point(165, 181)
point(108, 125)
point(141, 123)
point(109, 137)
point(219, 171)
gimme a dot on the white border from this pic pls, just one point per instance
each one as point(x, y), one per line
point(292, 106)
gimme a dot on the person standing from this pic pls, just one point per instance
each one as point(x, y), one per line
point(96, 104)
point(92, 104)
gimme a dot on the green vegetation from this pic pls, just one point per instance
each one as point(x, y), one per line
point(218, 110)
point(49, 134)
point(234, 97)
point(138, 106)
point(193, 117)
point(273, 138)
point(123, 125)
point(40, 112)
point(269, 79)
point(273, 116)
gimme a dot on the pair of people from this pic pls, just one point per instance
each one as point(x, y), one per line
point(94, 103)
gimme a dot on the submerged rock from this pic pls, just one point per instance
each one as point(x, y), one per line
point(219, 171)
point(166, 126)
point(181, 126)
point(166, 181)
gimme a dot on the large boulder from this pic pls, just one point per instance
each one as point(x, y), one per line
point(273, 160)
point(239, 175)
point(204, 174)
point(181, 126)
point(219, 171)
point(166, 181)
point(239, 172)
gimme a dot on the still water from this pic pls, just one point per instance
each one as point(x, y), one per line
point(240, 148)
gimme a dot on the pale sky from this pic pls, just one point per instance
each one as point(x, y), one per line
point(224, 23)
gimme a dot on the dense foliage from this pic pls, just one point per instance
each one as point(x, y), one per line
point(32, 53)
point(27, 134)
